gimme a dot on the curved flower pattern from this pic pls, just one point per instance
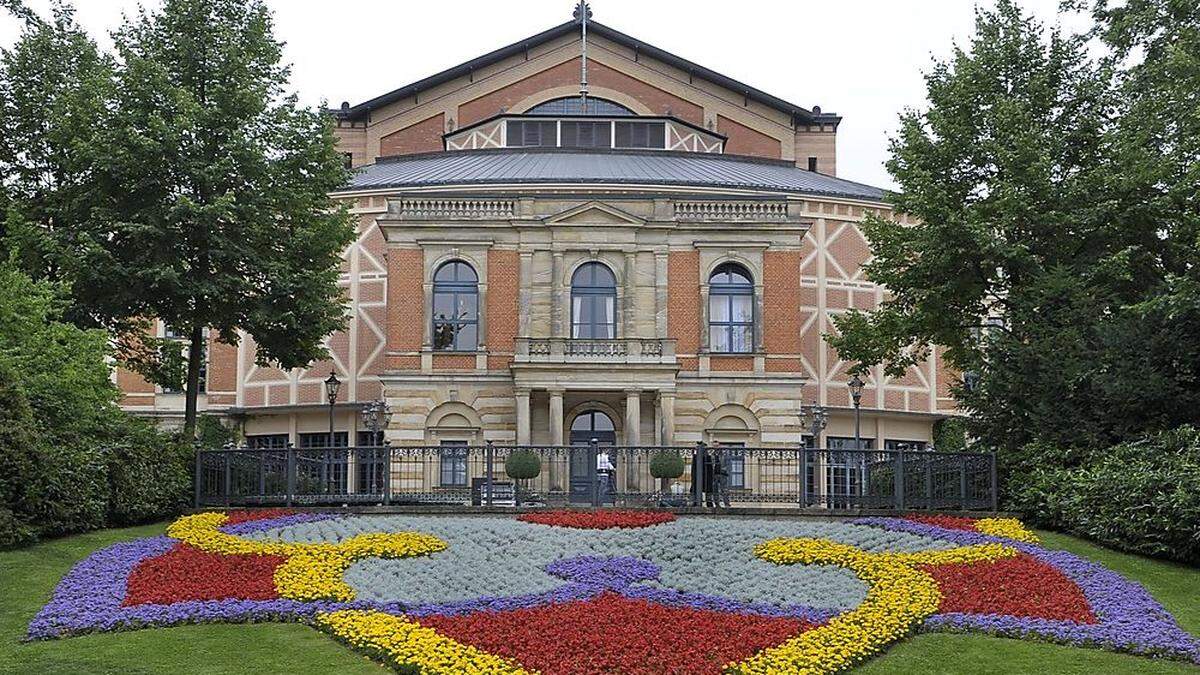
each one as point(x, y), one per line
point(309, 571)
point(701, 595)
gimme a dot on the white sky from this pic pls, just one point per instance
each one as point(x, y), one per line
point(862, 59)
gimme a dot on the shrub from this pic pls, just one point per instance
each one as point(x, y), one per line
point(522, 464)
point(70, 459)
point(666, 465)
point(149, 475)
point(1141, 496)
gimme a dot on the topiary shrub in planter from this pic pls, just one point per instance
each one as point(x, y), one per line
point(522, 465)
point(666, 466)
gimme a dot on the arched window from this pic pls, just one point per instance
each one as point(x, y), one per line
point(573, 105)
point(592, 424)
point(455, 307)
point(593, 302)
point(730, 310)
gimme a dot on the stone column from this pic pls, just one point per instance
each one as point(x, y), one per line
point(630, 293)
point(556, 296)
point(522, 416)
point(666, 404)
point(633, 416)
point(557, 462)
point(556, 417)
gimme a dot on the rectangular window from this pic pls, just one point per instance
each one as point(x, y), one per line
point(640, 135)
point(321, 472)
point(184, 341)
point(267, 441)
point(586, 134)
point(320, 439)
point(908, 446)
point(372, 461)
point(736, 464)
point(453, 464)
point(532, 134)
point(812, 164)
point(846, 474)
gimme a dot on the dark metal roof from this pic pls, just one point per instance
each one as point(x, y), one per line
point(798, 113)
point(676, 169)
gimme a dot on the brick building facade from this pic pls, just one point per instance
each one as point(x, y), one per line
point(661, 260)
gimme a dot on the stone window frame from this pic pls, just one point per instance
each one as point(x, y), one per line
point(750, 256)
point(614, 260)
point(456, 288)
point(437, 254)
point(735, 290)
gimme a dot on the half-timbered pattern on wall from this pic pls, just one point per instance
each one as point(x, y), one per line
point(656, 263)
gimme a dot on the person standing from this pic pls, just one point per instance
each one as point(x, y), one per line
point(720, 477)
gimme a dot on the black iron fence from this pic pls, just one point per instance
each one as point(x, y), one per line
point(597, 475)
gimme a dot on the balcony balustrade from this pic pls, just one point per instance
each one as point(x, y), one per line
point(633, 350)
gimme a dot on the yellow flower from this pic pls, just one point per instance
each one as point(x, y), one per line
point(1009, 528)
point(899, 597)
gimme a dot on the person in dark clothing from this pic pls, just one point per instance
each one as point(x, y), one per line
point(710, 474)
point(720, 477)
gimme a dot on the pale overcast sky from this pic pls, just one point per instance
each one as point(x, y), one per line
point(862, 59)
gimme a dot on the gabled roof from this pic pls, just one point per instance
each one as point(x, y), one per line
point(798, 113)
point(559, 166)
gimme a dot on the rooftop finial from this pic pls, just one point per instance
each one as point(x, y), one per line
point(582, 14)
point(582, 10)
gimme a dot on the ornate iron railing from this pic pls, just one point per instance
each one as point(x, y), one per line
point(595, 475)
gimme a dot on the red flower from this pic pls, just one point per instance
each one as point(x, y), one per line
point(614, 634)
point(1022, 586)
point(246, 515)
point(948, 522)
point(187, 573)
point(598, 520)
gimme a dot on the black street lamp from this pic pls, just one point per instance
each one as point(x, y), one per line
point(332, 385)
point(376, 417)
point(856, 388)
point(817, 422)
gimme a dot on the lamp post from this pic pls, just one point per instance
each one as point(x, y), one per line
point(332, 385)
point(376, 417)
point(856, 387)
point(818, 422)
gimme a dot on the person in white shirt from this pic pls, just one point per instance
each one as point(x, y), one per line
point(606, 472)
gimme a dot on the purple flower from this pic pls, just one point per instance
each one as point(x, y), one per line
point(1129, 619)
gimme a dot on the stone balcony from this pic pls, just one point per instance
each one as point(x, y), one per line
point(632, 351)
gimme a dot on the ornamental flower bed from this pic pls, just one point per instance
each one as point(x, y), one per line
point(611, 591)
point(598, 520)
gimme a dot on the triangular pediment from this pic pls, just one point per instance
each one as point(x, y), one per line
point(594, 213)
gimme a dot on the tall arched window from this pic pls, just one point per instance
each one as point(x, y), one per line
point(593, 302)
point(730, 310)
point(455, 307)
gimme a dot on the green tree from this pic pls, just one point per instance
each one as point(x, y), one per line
point(208, 194)
point(1035, 259)
point(54, 86)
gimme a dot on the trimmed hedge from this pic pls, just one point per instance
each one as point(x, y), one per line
point(1142, 496)
point(523, 464)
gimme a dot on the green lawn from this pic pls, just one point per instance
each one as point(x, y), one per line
point(28, 576)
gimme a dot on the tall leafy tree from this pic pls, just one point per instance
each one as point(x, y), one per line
point(54, 87)
point(209, 204)
point(1050, 233)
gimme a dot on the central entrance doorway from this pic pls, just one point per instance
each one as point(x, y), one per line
point(586, 426)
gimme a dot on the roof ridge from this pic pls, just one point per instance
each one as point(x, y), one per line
point(751, 93)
